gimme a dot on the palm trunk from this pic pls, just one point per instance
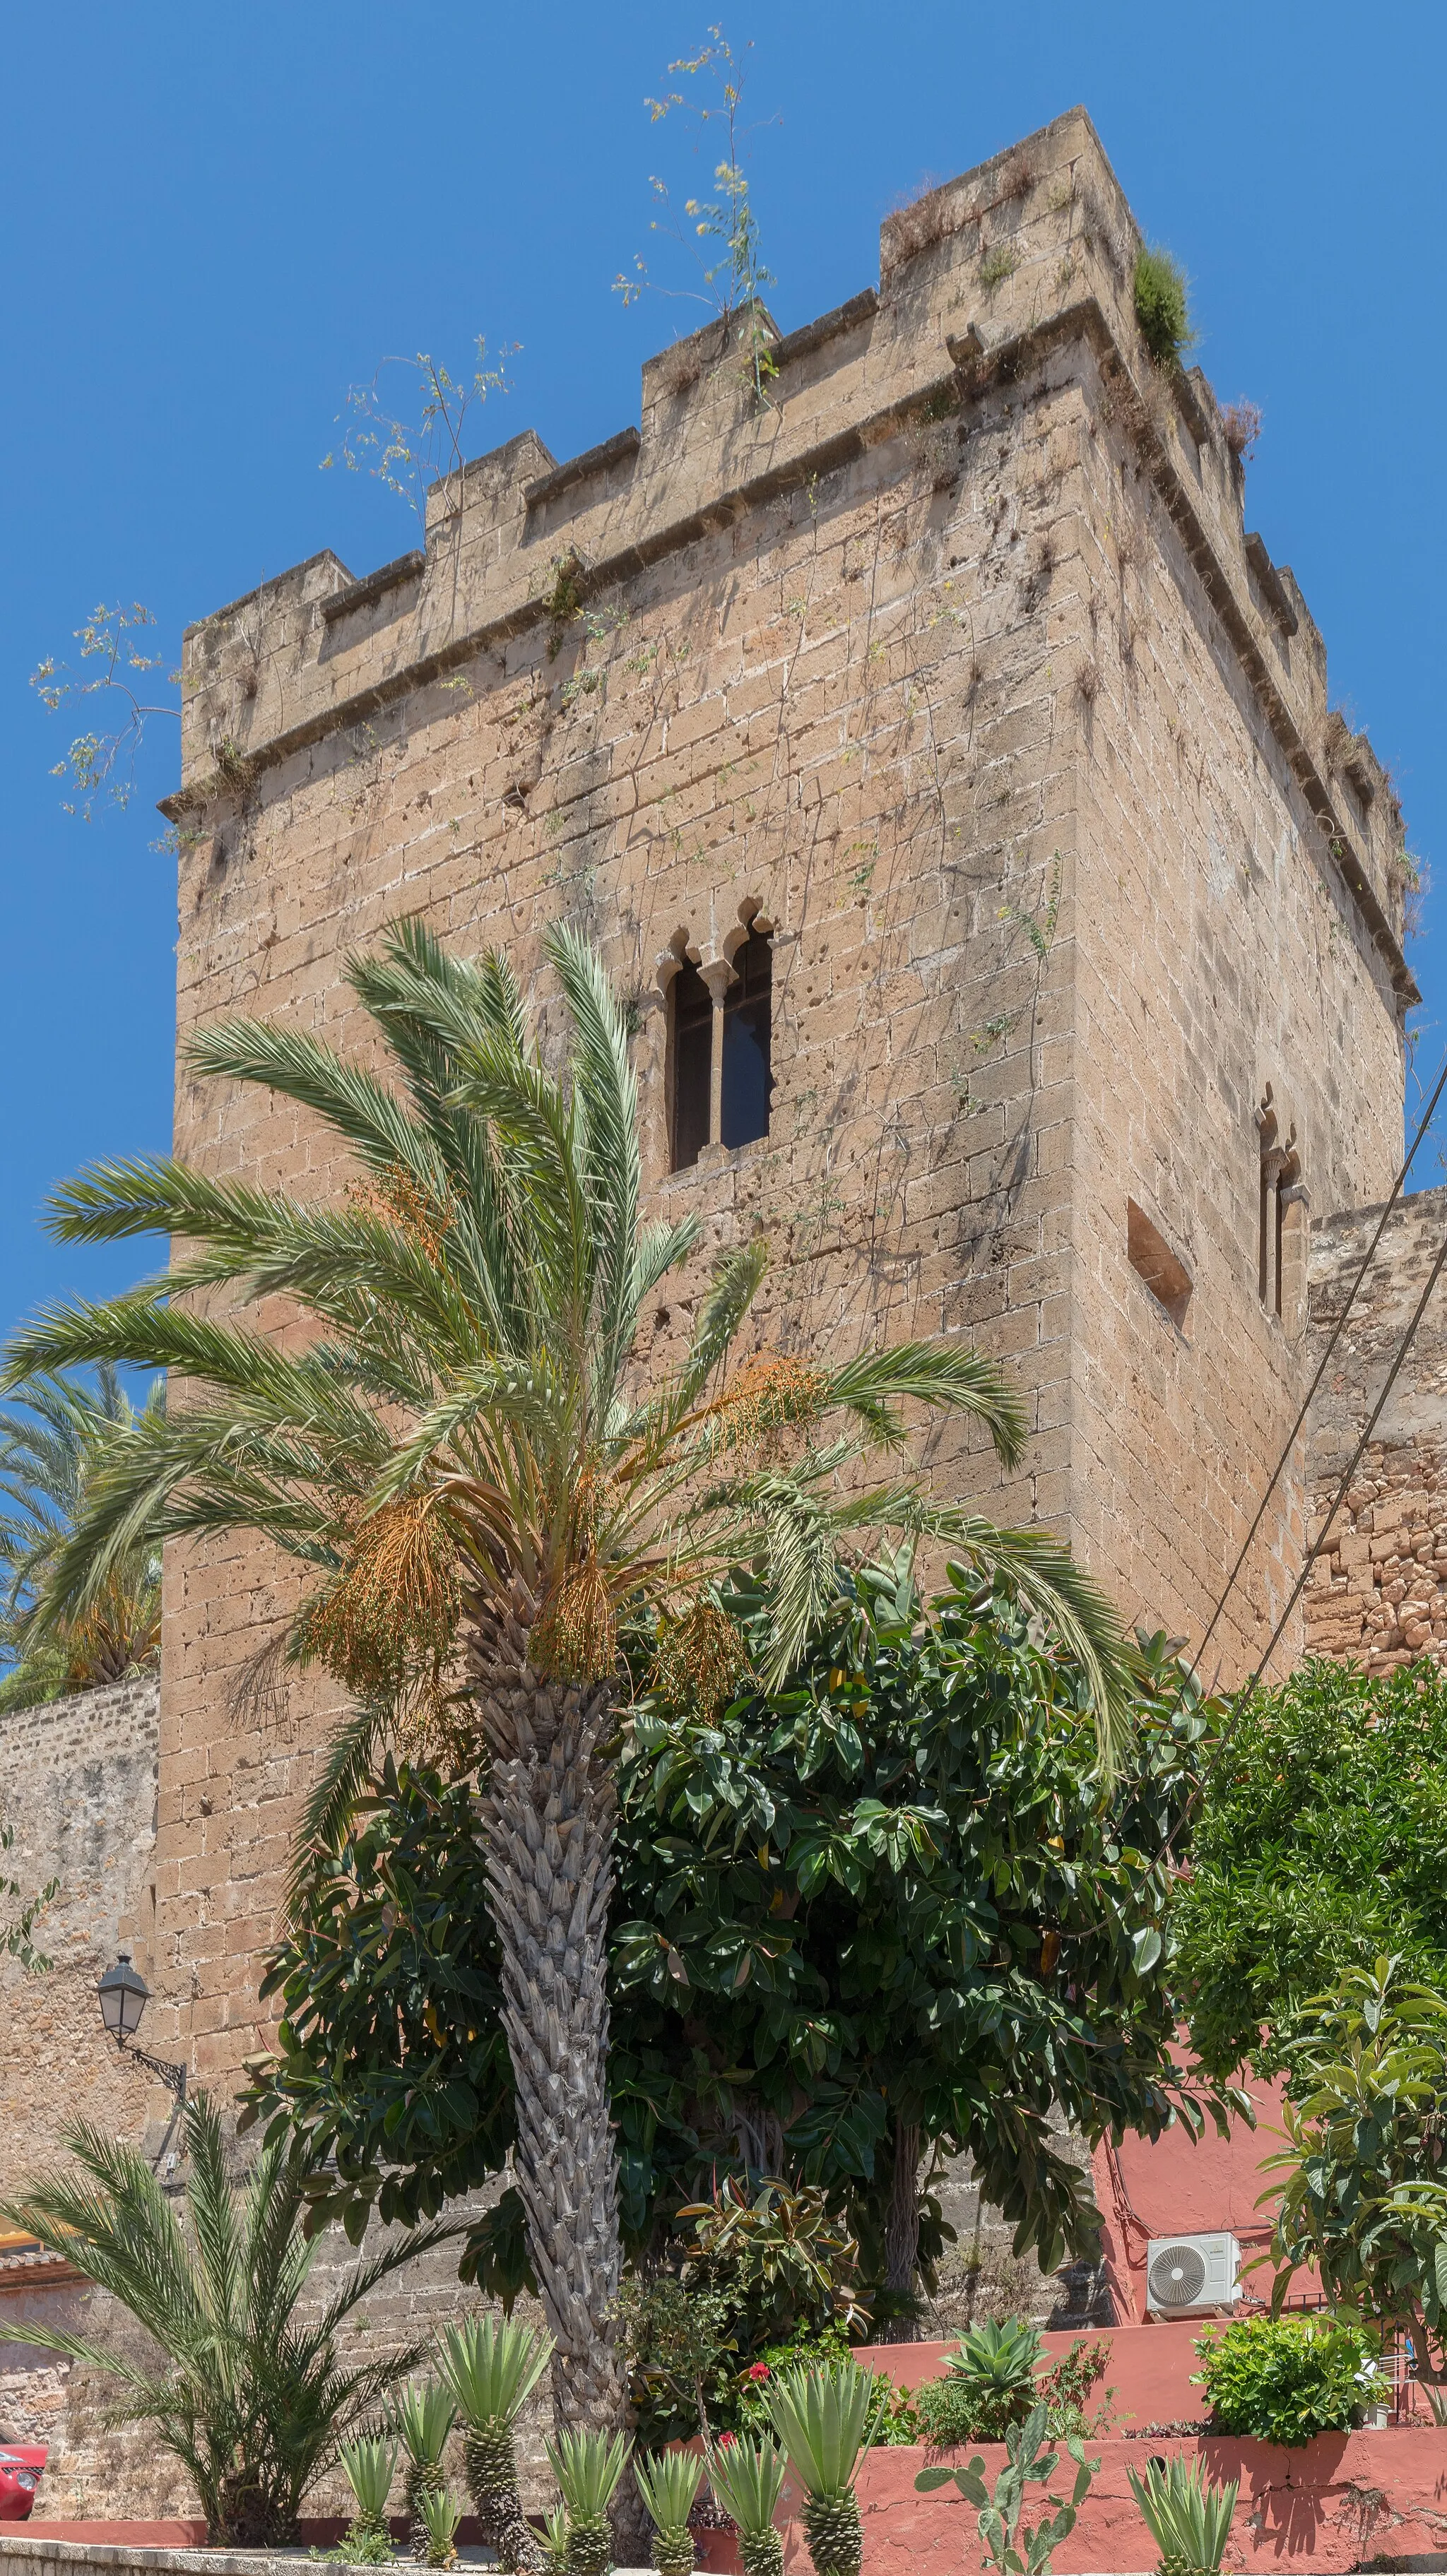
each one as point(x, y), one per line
point(547, 1804)
point(901, 2229)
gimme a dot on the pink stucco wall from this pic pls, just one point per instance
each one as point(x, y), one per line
point(1348, 2500)
point(1147, 2378)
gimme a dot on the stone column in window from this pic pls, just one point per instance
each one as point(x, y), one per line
point(718, 974)
point(1293, 1201)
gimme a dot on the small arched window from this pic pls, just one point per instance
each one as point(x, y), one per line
point(691, 1056)
point(747, 1031)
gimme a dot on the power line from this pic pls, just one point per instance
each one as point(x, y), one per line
point(1378, 1409)
point(1322, 1366)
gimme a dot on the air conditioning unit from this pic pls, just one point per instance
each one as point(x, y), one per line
point(1187, 2273)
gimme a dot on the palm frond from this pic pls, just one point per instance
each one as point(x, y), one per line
point(943, 1374)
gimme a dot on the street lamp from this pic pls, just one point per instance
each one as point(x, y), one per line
point(124, 1995)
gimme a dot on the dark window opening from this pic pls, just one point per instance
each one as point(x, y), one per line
point(692, 1016)
point(1280, 1173)
point(747, 1079)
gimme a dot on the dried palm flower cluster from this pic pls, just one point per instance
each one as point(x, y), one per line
point(575, 1635)
point(768, 1393)
point(390, 1617)
point(700, 1656)
point(398, 1198)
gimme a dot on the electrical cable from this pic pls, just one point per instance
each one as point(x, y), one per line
point(1357, 1455)
point(1309, 1398)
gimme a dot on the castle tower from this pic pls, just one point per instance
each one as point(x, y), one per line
point(948, 777)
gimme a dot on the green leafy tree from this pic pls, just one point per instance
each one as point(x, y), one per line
point(1320, 1842)
point(896, 1895)
point(465, 1461)
point(50, 1453)
point(247, 2388)
point(1363, 2190)
point(900, 1909)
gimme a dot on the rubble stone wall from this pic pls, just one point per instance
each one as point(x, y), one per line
point(1378, 1591)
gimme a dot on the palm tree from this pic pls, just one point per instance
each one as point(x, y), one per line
point(465, 1460)
point(250, 2396)
point(48, 1455)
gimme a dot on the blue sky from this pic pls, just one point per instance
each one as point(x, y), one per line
point(216, 221)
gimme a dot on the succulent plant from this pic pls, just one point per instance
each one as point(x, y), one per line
point(424, 2416)
point(588, 2467)
point(491, 2367)
point(823, 2417)
point(669, 2484)
point(1187, 2517)
point(370, 2465)
point(748, 2480)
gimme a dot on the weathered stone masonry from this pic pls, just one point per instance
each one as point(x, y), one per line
point(954, 671)
point(1377, 1594)
point(954, 666)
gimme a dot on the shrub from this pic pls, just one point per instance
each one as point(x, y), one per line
point(1162, 307)
point(964, 2407)
point(1286, 2379)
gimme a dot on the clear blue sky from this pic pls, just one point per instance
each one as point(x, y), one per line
point(216, 220)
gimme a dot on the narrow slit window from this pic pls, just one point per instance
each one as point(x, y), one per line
point(747, 1033)
point(1280, 1175)
point(691, 1009)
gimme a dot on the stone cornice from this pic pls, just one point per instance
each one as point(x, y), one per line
point(974, 369)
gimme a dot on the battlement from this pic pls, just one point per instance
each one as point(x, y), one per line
point(1020, 269)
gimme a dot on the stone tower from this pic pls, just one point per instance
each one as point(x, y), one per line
point(1010, 931)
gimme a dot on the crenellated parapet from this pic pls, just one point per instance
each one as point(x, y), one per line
point(1022, 265)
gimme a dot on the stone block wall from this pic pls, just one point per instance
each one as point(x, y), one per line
point(1378, 1591)
point(78, 1789)
point(953, 664)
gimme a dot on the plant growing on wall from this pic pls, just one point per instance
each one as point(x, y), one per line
point(478, 1488)
point(410, 452)
point(1286, 2379)
point(247, 2389)
point(723, 231)
point(1162, 307)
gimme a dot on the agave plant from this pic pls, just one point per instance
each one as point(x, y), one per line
point(1188, 2517)
point(993, 2369)
point(465, 1458)
point(669, 2484)
point(491, 2366)
point(824, 2418)
point(424, 2416)
point(371, 2465)
point(555, 2540)
point(441, 2514)
point(748, 2480)
point(248, 2389)
point(588, 2467)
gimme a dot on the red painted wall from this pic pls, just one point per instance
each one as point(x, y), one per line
point(1347, 2500)
point(1179, 2187)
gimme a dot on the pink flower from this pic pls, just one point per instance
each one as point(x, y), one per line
point(758, 2370)
point(724, 2440)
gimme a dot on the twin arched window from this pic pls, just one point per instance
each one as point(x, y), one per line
point(719, 1054)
